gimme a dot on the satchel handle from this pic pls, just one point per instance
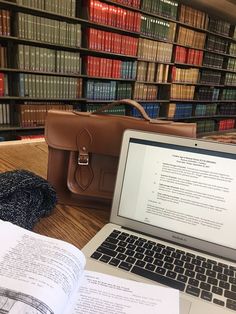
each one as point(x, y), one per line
point(130, 102)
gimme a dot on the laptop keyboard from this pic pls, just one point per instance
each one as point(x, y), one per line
point(193, 274)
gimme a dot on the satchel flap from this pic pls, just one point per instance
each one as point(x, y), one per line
point(102, 133)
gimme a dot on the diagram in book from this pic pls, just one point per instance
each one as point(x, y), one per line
point(14, 302)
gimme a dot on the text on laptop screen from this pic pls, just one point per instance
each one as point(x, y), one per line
point(187, 190)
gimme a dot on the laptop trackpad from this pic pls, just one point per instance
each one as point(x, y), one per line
point(185, 306)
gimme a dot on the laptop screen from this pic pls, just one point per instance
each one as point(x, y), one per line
point(184, 189)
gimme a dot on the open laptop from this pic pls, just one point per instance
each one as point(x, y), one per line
point(173, 220)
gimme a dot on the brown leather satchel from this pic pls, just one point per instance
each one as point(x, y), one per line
point(84, 150)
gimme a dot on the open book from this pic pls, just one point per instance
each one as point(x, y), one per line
point(39, 275)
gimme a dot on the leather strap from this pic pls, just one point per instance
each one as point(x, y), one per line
point(85, 174)
point(129, 102)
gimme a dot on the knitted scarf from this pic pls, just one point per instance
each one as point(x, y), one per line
point(25, 198)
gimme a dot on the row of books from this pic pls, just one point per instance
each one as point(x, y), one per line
point(219, 26)
point(189, 75)
point(207, 93)
point(188, 55)
point(216, 44)
point(4, 87)
point(34, 114)
point(3, 57)
point(152, 109)
point(167, 8)
point(4, 114)
point(191, 38)
point(103, 67)
point(178, 110)
point(154, 51)
point(42, 29)
point(182, 91)
point(232, 49)
point(193, 17)
point(205, 109)
point(48, 60)
point(5, 23)
point(64, 7)
point(226, 124)
point(145, 91)
point(228, 94)
point(231, 64)
point(111, 15)
point(47, 86)
point(97, 90)
point(230, 79)
point(227, 109)
point(213, 60)
point(234, 34)
point(117, 110)
point(111, 42)
point(152, 72)
point(210, 77)
point(204, 126)
point(157, 28)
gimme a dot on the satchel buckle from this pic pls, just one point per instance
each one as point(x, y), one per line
point(83, 159)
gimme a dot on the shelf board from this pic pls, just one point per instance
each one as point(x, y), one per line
point(154, 61)
point(216, 117)
point(198, 84)
point(203, 134)
point(203, 67)
point(153, 83)
point(155, 38)
point(19, 128)
point(17, 98)
point(155, 100)
point(8, 70)
point(202, 100)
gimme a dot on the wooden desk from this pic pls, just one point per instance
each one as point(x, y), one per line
point(72, 224)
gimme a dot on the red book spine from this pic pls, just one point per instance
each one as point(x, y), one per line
point(94, 11)
point(110, 68)
point(200, 57)
point(90, 34)
point(91, 5)
point(1, 84)
point(119, 18)
point(101, 66)
point(183, 57)
point(98, 39)
point(110, 15)
point(135, 47)
point(138, 22)
point(118, 72)
point(176, 53)
point(173, 74)
point(87, 63)
point(106, 41)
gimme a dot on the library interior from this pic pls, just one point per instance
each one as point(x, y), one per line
point(74, 75)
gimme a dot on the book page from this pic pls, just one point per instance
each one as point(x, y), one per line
point(37, 274)
point(105, 294)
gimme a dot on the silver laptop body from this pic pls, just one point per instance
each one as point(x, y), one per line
point(179, 193)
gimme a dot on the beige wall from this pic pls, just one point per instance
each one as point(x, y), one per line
point(221, 8)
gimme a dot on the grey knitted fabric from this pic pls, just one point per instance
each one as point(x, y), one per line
point(25, 198)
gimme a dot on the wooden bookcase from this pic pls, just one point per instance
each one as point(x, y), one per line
point(177, 61)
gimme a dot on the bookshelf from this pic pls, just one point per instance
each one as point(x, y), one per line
point(178, 61)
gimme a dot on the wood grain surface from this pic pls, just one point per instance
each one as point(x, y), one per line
point(69, 223)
